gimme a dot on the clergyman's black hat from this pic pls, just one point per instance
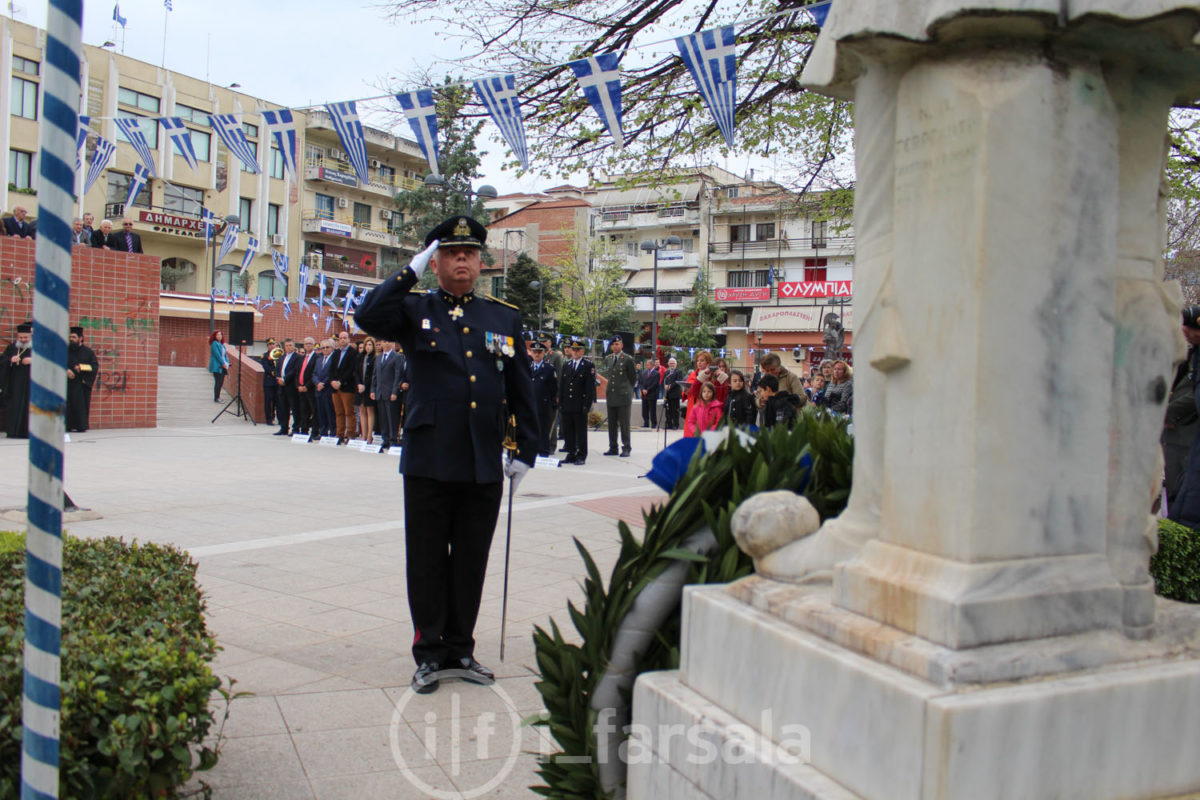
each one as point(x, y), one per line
point(25, 327)
point(77, 330)
point(461, 231)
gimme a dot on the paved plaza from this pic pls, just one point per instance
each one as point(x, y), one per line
point(301, 554)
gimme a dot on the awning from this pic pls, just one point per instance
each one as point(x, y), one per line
point(669, 193)
point(672, 281)
point(798, 318)
point(192, 308)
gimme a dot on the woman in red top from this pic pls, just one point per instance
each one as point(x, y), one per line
point(707, 372)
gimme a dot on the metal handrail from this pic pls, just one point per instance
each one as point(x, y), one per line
point(397, 180)
point(767, 245)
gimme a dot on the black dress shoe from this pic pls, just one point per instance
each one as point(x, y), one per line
point(625, 452)
point(425, 679)
point(610, 452)
point(577, 462)
point(469, 670)
point(281, 433)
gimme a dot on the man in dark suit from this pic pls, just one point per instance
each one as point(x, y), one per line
point(101, 234)
point(343, 380)
point(306, 388)
point(80, 234)
point(648, 389)
point(672, 394)
point(576, 394)
point(89, 227)
point(325, 421)
point(285, 381)
point(545, 392)
point(385, 390)
point(471, 396)
point(269, 385)
point(126, 241)
point(17, 226)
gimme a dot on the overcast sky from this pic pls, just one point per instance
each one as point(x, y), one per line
point(295, 53)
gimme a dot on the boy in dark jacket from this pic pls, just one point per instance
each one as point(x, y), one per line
point(776, 407)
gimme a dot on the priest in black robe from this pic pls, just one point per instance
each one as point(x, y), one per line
point(82, 369)
point(14, 382)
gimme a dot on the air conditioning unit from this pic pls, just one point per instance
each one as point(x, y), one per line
point(277, 240)
point(337, 155)
point(385, 214)
point(738, 320)
point(343, 202)
point(375, 163)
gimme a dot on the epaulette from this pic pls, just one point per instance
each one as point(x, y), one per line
point(418, 291)
point(501, 302)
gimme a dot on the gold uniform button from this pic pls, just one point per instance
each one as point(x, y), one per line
point(472, 404)
point(433, 344)
point(472, 379)
point(468, 354)
point(466, 329)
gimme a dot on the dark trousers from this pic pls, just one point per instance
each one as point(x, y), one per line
point(545, 426)
point(672, 411)
point(269, 403)
point(326, 418)
point(448, 532)
point(574, 427)
point(619, 418)
point(306, 413)
point(650, 410)
point(286, 401)
point(218, 379)
point(389, 418)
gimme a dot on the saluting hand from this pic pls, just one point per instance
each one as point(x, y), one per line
point(421, 260)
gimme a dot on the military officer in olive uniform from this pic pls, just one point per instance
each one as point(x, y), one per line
point(621, 373)
point(469, 372)
point(576, 394)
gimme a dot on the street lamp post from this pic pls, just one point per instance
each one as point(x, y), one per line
point(652, 246)
point(485, 192)
point(232, 219)
point(539, 286)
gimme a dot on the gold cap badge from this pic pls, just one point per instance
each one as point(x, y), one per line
point(462, 228)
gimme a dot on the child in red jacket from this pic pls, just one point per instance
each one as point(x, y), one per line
point(704, 414)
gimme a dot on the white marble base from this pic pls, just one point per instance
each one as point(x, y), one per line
point(876, 731)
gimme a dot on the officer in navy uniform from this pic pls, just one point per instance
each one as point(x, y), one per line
point(576, 394)
point(545, 392)
point(469, 373)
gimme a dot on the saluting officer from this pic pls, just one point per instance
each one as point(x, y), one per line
point(469, 372)
point(576, 394)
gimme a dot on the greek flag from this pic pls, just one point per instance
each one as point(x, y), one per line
point(600, 79)
point(337, 286)
point(132, 128)
point(229, 242)
point(421, 112)
point(819, 12)
point(499, 95)
point(80, 140)
point(117, 18)
point(280, 262)
point(302, 280)
point(167, 5)
point(181, 136)
point(320, 289)
point(251, 252)
point(350, 132)
point(711, 58)
point(287, 308)
point(104, 153)
point(349, 302)
point(140, 176)
point(283, 130)
point(208, 222)
point(230, 131)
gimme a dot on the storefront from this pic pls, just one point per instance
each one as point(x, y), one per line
point(786, 328)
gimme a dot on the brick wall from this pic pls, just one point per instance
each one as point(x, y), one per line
point(184, 342)
point(114, 296)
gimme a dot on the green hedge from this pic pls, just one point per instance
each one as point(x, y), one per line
point(1176, 565)
point(136, 680)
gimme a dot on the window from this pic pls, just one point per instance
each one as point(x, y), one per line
point(25, 65)
point(325, 206)
point(272, 219)
point(270, 286)
point(24, 98)
point(362, 215)
point(183, 199)
point(818, 233)
point(739, 233)
point(246, 212)
point(747, 278)
point(687, 244)
point(149, 128)
point(631, 248)
point(731, 192)
point(815, 269)
point(497, 286)
point(118, 190)
point(313, 154)
point(251, 131)
point(200, 143)
point(144, 102)
point(764, 230)
point(387, 174)
point(20, 169)
point(275, 167)
point(195, 116)
point(223, 280)
point(254, 150)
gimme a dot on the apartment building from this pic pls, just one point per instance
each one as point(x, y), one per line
point(553, 230)
point(349, 227)
point(779, 265)
point(167, 212)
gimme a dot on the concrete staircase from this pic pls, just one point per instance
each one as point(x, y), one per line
point(185, 399)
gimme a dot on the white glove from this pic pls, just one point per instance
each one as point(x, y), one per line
point(515, 469)
point(421, 260)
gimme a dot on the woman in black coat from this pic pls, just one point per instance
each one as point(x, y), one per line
point(362, 399)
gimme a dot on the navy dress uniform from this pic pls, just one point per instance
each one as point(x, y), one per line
point(469, 372)
point(545, 392)
point(576, 394)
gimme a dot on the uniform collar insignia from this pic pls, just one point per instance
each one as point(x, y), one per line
point(451, 300)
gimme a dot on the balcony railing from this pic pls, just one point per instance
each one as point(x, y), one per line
point(774, 245)
point(378, 180)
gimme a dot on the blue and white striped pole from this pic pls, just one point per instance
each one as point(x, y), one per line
point(51, 304)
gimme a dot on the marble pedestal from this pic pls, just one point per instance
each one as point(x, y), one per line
point(845, 707)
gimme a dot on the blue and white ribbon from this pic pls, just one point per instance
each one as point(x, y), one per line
point(132, 128)
point(499, 96)
point(228, 242)
point(282, 128)
point(599, 77)
point(140, 177)
point(41, 695)
point(104, 153)
point(251, 252)
point(712, 59)
point(350, 131)
point(229, 129)
point(421, 111)
point(181, 135)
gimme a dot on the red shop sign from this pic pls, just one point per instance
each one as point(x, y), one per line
point(816, 289)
